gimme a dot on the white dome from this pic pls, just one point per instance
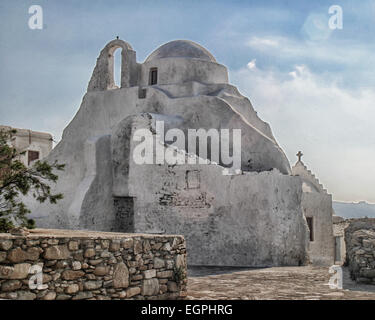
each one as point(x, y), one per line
point(181, 49)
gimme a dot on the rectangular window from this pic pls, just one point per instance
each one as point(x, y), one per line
point(141, 93)
point(153, 76)
point(192, 179)
point(310, 223)
point(32, 155)
point(124, 211)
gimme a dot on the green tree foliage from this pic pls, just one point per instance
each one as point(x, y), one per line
point(16, 179)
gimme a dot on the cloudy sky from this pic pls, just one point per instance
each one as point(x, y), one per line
point(314, 85)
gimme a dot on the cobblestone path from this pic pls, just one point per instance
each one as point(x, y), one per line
point(278, 283)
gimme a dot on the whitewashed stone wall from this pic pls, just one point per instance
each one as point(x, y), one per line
point(339, 225)
point(317, 205)
point(249, 219)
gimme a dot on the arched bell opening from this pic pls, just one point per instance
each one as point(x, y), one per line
point(116, 67)
point(115, 62)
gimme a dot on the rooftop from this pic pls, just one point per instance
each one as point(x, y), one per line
point(181, 49)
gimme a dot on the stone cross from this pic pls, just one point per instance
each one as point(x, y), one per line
point(299, 155)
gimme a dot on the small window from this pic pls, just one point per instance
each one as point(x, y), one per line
point(310, 223)
point(32, 155)
point(153, 76)
point(142, 93)
point(192, 179)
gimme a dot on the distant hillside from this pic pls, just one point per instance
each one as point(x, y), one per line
point(354, 210)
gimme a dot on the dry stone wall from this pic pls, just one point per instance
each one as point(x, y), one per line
point(91, 265)
point(360, 249)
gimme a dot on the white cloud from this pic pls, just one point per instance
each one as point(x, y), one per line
point(252, 64)
point(327, 51)
point(260, 43)
point(332, 126)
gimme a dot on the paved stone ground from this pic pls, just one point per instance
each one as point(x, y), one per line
point(281, 283)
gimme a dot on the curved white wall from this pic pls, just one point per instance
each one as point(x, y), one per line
point(180, 70)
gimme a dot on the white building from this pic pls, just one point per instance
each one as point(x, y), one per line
point(33, 144)
point(317, 208)
point(252, 217)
